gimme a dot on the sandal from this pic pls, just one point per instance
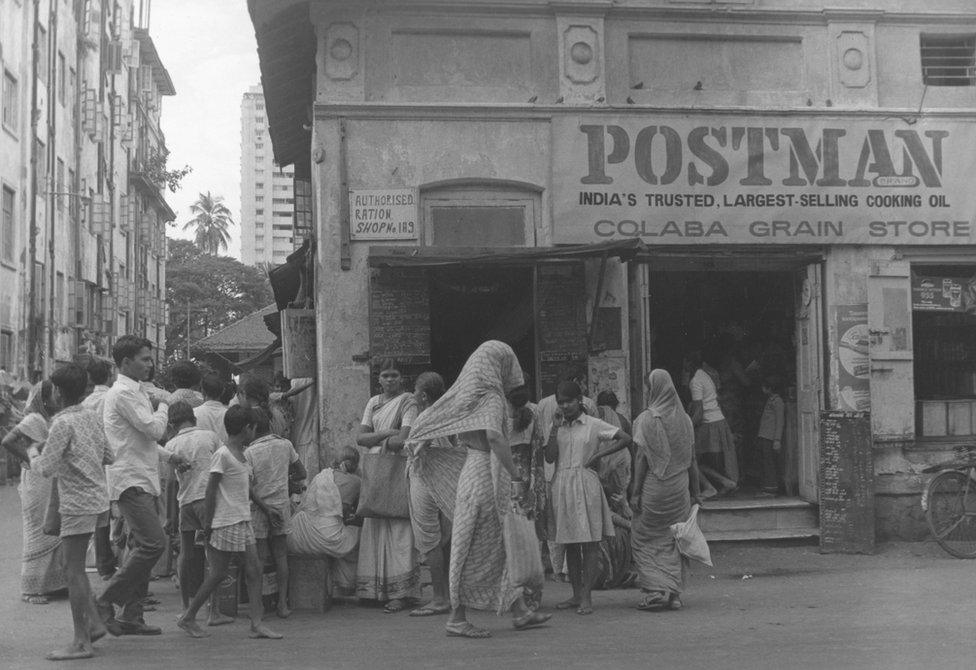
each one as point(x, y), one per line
point(430, 610)
point(653, 602)
point(394, 606)
point(466, 629)
point(35, 599)
point(530, 620)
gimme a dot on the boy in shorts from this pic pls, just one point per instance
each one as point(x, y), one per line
point(77, 452)
point(227, 525)
point(197, 446)
point(270, 458)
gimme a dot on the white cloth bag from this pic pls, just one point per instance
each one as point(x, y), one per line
point(690, 539)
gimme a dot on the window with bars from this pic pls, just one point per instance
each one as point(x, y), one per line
point(6, 349)
point(948, 60)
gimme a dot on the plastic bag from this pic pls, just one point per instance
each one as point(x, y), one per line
point(523, 557)
point(691, 541)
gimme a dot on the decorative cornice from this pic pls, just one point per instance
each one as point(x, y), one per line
point(522, 112)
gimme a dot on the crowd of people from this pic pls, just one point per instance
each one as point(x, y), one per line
point(495, 485)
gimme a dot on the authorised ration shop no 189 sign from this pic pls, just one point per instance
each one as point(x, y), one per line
point(383, 214)
point(763, 180)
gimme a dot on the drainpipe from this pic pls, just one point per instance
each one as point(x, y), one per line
point(52, 153)
point(33, 366)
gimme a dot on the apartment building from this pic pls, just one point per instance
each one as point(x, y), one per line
point(267, 191)
point(82, 163)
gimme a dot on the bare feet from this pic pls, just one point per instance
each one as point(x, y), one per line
point(75, 651)
point(284, 612)
point(192, 628)
point(262, 631)
point(568, 604)
point(585, 607)
point(218, 619)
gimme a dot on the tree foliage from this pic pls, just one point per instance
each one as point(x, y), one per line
point(219, 290)
point(210, 224)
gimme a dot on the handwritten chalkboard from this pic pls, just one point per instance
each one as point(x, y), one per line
point(399, 316)
point(846, 483)
point(560, 300)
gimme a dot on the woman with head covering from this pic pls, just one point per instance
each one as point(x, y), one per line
point(475, 409)
point(41, 570)
point(659, 496)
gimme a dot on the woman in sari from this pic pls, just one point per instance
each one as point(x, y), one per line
point(659, 496)
point(387, 571)
point(490, 485)
point(41, 571)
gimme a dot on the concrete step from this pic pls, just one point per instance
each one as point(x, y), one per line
point(758, 519)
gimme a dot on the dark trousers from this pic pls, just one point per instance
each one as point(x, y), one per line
point(104, 556)
point(771, 467)
point(131, 583)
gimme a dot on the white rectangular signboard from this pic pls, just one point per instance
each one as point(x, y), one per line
point(383, 214)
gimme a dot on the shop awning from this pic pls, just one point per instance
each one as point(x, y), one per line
point(387, 257)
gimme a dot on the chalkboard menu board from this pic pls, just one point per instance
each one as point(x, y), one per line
point(846, 483)
point(399, 316)
point(560, 302)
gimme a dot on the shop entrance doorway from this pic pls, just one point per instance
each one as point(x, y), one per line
point(752, 328)
point(469, 305)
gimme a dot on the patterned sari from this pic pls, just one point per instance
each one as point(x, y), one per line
point(387, 567)
point(476, 402)
point(41, 570)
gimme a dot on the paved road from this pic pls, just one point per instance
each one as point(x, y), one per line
point(909, 606)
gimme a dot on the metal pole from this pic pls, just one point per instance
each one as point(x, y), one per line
point(188, 329)
point(32, 331)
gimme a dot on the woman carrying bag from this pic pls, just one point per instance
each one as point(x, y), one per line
point(387, 570)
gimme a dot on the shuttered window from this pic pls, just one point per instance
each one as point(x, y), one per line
point(948, 60)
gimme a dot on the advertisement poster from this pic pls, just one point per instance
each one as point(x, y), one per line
point(852, 352)
point(943, 294)
point(707, 179)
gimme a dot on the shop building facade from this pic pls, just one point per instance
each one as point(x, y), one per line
point(608, 185)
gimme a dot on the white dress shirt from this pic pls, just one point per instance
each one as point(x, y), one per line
point(132, 429)
point(96, 400)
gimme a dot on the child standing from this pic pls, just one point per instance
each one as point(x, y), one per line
point(770, 437)
point(582, 515)
point(270, 457)
point(227, 523)
point(197, 446)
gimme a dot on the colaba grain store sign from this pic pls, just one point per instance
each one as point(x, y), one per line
point(718, 179)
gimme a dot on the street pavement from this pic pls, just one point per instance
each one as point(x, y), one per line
point(761, 606)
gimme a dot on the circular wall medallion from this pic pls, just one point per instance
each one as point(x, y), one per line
point(853, 59)
point(341, 49)
point(581, 52)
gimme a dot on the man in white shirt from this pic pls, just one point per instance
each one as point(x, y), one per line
point(210, 415)
point(100, 374)
point(132, 427)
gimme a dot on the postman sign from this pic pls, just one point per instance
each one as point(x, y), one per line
point(707, 179)
point(383, 214)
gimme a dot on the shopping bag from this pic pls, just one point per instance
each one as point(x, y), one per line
point(691, 541)
point(384, 487)
point(52, 517)
point(523, 556)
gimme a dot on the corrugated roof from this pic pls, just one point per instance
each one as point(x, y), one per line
point(247, 335)
point(286, 51)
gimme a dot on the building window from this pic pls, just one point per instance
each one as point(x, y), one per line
point(7, 229)
point(480, 216)
point(944, 344)
point(42, 50)
point(6, 349)
point(59, 185)
point(948, 60)
point(62, 79)
point(72, 199)
point(259, 185)
point(10, 100)
point(258, 212)
point(259, 198)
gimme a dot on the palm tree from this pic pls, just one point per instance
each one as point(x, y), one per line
point(211, 223)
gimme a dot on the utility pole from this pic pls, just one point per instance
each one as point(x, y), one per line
point(187, 329)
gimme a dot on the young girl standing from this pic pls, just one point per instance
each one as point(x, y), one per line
point(583, 517)
point(770, 437)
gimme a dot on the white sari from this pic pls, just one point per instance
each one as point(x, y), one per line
point(387, 568)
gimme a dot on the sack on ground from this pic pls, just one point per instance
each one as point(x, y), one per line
point(52, 517)
point(691, 541)
point(384, 488)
